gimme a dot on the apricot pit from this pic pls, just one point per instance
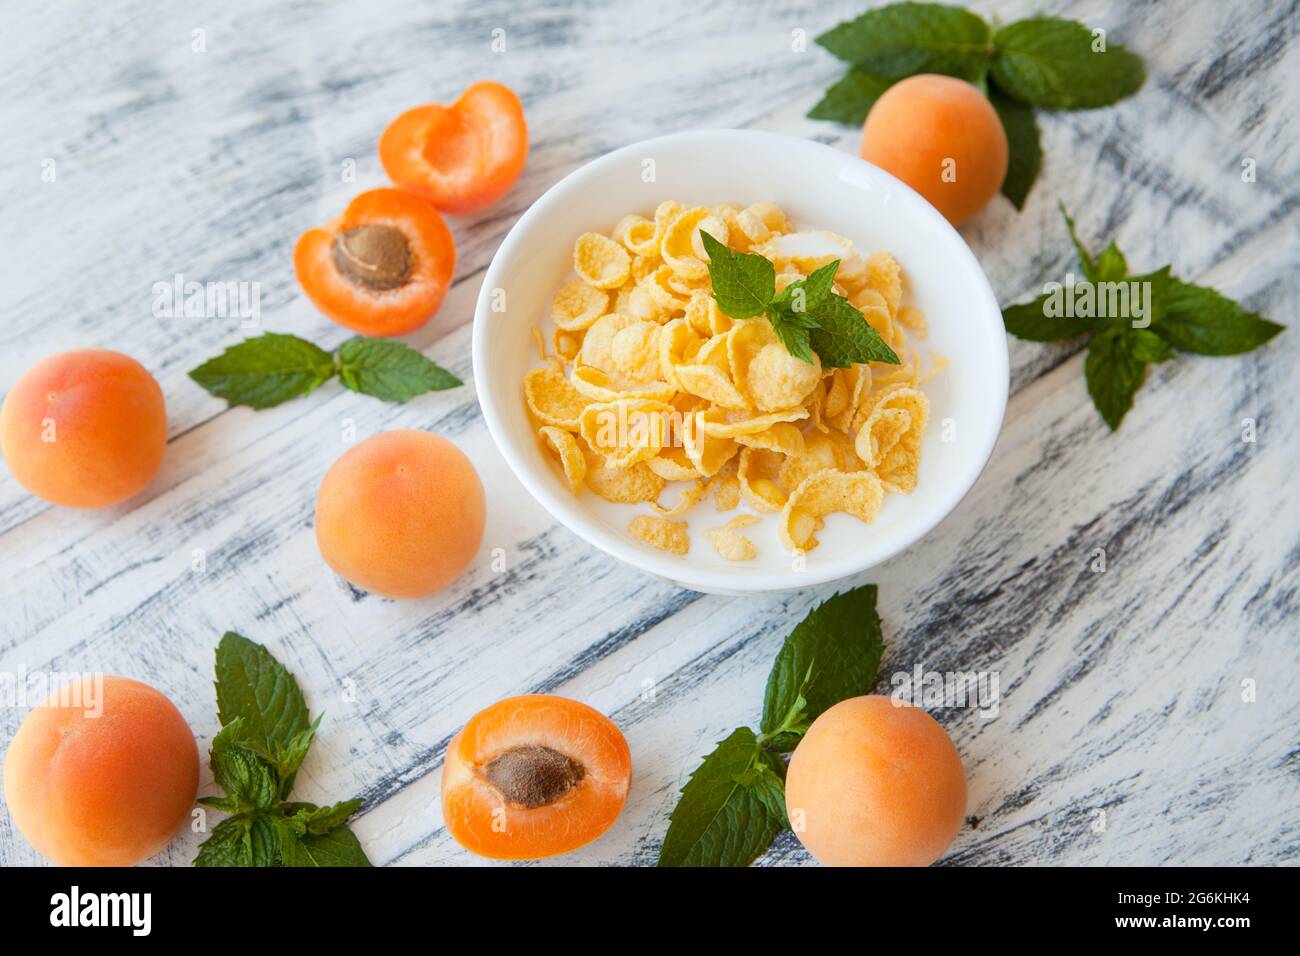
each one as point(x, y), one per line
point(375, 257)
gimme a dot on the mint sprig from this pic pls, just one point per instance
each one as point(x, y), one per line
point(270, 369)
point(1180, 317)
point(733, 805)
point(1041, 62)
point(806, 316)
point(255, 757)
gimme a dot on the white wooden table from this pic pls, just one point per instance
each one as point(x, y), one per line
point(1122, 691)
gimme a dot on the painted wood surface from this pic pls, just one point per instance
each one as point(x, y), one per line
point(1122, 735)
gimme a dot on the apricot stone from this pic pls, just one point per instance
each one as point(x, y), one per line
point(401, 514)
point(85, 428)
point(875, 783)
point(101, 775)
point(942, 137)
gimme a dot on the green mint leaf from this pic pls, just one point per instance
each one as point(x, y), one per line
point(254, 686)
point(1054, 64)
point(241, 773)
point(850, 99)
point(843, 336)
point(831, 655)
point(227, 845)
point(338, 847)
point(804, 295)
point(907, 38)
point(1025, 153)
point(743, 283)
point(1030, 320)
point(264, 839)
point(720, 821)
point(1086, 261)
point(1111, 264)
point(265, 371)
point(794, 336)
point(318, 820)
point(392, 371)
point(224, 804)
point(290, 757)
point(1198, 319)
point(769, 786)
point(1146, 346)
point(1114, 374)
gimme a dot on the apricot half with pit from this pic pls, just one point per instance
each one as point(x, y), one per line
point(534, 776)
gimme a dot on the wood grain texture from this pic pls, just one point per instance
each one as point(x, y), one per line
point(1120, 691)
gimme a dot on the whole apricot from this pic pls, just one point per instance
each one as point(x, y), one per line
point(85, 428)
point(942, 137)
point(534, 776)
point(101, 774)
point(401, 514)
point(875, 783)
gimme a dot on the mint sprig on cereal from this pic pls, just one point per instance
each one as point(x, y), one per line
point(807, 316)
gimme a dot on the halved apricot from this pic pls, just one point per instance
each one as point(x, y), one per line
point(381, 268)
point(534, 776)
point(462, 157)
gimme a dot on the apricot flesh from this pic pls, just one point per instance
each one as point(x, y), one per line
point(85, 428)
point(101, 779)
point(942, 137)
point(874, 783)
point(534, 776)
point(401, 514)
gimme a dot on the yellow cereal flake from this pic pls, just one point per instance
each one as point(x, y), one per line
point(600, 386)
point(628, 486)
point(730, 543)
point(670, 536)
point(886, 277)
point(552, 400)
point(625, 431)
point(678, 246)
point(687, 500)
point(913, 319)
point(757, 476)
point(858, 493)
point(600, 261)
point(890, 439)
point(638, 235)
point(576, 305)
point(569, 452)
point(707, 453)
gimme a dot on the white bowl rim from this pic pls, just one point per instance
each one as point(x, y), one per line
point(564, 508)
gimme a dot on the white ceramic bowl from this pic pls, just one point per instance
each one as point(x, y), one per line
point(819, 188)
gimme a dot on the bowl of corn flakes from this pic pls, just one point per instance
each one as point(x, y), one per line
point(740, 361)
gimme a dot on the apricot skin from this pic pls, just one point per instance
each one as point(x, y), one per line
point(873, 783)
point(401, 514)
point(107, 790)
point(108, 421)
point(922, 122)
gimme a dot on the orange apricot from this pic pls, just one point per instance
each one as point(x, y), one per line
point(462, 157)
point(942, 137)
point(534, 776)
point(875, 783)
point(401, 514)
point(381, 268)
point(101, 774)
point(85, 428)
